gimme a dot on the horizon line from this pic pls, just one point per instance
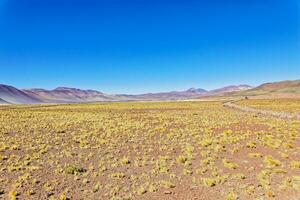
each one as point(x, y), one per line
point(148, 92)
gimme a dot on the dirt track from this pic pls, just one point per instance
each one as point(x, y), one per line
point(282, 115)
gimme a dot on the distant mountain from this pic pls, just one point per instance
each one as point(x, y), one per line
point(9, 94)
point(186, 94)
point(68, 95)
point(13, 95)
point(231, 88)
point(281, 89)
point(292, 86)
point(173, 95)
point(197, 90)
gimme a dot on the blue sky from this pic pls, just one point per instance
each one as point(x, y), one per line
point(136, 46)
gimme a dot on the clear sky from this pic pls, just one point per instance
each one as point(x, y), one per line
point(137, 46)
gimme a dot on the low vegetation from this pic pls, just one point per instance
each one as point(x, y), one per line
point(281, 105)
point(176, 150)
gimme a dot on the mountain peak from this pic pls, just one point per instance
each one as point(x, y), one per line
point(65, 88)
point(196, 90)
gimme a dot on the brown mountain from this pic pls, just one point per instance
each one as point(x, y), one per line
point(292, 86)
point(281, 89)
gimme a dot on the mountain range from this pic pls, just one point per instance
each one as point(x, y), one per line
point(12, 95)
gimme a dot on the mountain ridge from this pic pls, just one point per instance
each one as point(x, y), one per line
point(67, 95)
point(12, 95)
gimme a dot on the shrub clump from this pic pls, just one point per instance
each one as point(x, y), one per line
point(74, 170)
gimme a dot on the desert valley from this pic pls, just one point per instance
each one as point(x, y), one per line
point(67, 144)
point(150, 100)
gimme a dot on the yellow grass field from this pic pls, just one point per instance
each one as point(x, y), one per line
point(171, 150)
point(282, 105)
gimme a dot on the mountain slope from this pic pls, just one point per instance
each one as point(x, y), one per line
point(231, 88)
point(293, 86)
point(68, 95)
point(12, 95)
point(281, 89)
point(3, 102)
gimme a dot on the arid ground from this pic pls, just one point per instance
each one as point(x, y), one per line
point(171, 150)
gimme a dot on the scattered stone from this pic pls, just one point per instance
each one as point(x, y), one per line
point(167, 192)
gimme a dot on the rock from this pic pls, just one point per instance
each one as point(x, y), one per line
point(167, 192)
